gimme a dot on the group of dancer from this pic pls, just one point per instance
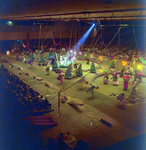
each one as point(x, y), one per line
point(121, 97)
point(126, 77)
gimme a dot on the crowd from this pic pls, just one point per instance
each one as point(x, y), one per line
point(28, 98)
point(16, 99)
point(16, 132)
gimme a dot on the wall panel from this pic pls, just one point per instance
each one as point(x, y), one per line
point(4, 36)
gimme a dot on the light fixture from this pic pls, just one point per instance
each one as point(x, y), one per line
point(10, 23)
point(71, 51)
point(8, 52)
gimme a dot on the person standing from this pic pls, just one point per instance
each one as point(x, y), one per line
point(61, 81)
point(24, 60)
point(36, 54)
point(121, 98)
point(126, 80)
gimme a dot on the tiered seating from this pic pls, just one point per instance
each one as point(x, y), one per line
point(17, 133)
point(26, 98)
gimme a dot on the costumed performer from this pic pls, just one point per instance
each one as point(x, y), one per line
point(121, 98)
point(126, 80)
point(105, 79)
point(122, 72)
point(115, 78)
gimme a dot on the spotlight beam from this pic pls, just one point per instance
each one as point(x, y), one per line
point(83, 38)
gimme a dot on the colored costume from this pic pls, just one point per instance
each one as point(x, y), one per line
point(122, 72)
point(92, 92)
point(91, 89)
point(105, 79)
point(47, 69)
point(121, 98)
point(20, 58)
point(115, 82)
point(140, 74)
point(31, 63)
point(112, 56)
point(126, 80)
point(134, 90)
point(12, 52)
point(136, 77)
point(60, 78)
point(131, 72)
point(125, 85)
point(24, 60)
point(82, 82)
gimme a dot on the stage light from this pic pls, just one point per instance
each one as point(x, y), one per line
point(8, 52)
point(10, 23)
point(100, 57)
point(80, 53)
point(101, 70)
point(83, 39)
point(139, 67)
point(71, 51)
point(124, 63)
point(93, 24)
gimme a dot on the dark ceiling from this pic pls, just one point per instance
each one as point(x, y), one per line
point(72, 9)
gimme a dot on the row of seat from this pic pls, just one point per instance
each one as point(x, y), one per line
point(22, 94)
point(17, 133)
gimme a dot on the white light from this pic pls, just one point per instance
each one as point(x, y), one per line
point(10, 23)
point(80, 53)
point(75, 52)
point(71, 51)
point(65, 60)
point(91, 123)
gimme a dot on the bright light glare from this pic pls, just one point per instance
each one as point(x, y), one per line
point(71, 51)
point(82, 39)
point(124, 63)
point(139, 67)
point(80, 53)
point(10, 23)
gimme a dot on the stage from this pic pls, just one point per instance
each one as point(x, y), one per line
point(84, 121)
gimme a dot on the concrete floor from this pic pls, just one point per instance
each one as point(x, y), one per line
point(84, 121)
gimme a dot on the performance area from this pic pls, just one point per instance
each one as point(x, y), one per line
point(73, 75)
point(82, 104)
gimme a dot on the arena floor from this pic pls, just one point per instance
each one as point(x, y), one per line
point(84, 121)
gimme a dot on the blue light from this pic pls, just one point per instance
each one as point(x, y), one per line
point(93, 24)
point(82, 39)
